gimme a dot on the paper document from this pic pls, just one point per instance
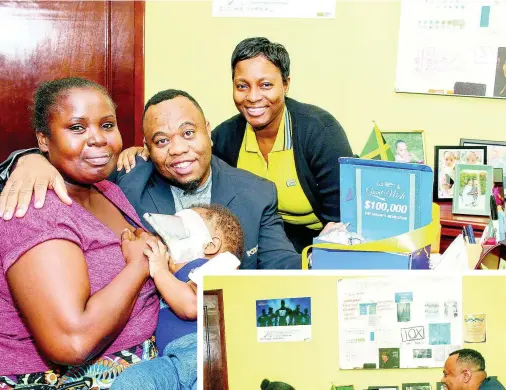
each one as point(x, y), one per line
point(454, 258)
point(321, 9)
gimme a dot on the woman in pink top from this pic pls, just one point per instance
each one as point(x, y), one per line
point(76, 303)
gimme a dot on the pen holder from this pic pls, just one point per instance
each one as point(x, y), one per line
point(474, 252)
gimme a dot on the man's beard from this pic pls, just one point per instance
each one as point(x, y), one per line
point(188, 188)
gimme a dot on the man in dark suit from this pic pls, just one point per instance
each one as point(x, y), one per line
point(183, 172)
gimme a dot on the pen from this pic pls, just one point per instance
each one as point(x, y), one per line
point(470, 233)
point(464, 234)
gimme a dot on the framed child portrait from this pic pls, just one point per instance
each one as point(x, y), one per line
point(496, 151)
point(472, 190)
point(446, 159)
point(407, 146)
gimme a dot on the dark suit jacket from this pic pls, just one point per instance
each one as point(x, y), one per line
point(252, 199)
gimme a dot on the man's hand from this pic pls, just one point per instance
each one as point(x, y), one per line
point(126, 158)
point(331, 226)
point(32, 174)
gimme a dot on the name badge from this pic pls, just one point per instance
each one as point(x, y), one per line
point(252, 251)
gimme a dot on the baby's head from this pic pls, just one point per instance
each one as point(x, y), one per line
point(450, 158)
point(401, 148)
point(203, 231)
point(472, 158)
point(224, 228)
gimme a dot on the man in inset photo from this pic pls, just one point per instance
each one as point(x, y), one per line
point(465, 370)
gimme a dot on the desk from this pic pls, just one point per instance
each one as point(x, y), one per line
point(451, 225)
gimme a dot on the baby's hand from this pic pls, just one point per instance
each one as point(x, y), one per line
point(157, 256)
point(172, 266)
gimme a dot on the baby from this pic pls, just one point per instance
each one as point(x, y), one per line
point(472, 158)
point(403, 155)
point(447, 175)
point(193, 236)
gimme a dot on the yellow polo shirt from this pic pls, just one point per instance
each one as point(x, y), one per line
point(293, 205)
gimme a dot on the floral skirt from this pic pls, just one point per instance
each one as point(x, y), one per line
point(96, 374)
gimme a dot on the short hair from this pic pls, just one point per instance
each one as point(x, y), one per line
point(170, 94)
point(47, 94)
point(399, 142)
point(268, 385)
point(226, 222)
point(470, 356)
point(260, 46)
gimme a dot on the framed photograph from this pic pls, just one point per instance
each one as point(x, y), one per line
point(472, 189)
point(446, 159)
point(383, 388)
point(496, 151)
point(407, 146)
point(343, 387)
point(416, 386)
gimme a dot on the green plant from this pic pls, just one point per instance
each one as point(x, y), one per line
point(483, 183)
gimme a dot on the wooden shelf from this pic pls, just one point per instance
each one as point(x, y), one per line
point(451, 225)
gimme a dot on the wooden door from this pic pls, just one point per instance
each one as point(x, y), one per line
point(215, 356)
point(43, 40)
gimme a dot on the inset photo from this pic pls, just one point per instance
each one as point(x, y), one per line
point(402, 330)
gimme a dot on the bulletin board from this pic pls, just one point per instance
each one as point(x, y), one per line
point(453, 47)
point(393, 322)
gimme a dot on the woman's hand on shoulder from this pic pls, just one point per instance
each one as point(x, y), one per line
point(33, 174)
point(126, 158)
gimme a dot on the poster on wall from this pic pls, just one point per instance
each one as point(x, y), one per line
point(475, 326)
point(320, 9)
point(283, 319)
point(452, 47)
point(391, 322)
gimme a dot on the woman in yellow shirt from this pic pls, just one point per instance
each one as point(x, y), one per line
point(295, 145)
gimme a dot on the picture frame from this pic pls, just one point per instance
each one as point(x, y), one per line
point(383, 387)
point(496, 151)
point(342, 387)
point(446, 159)
point(416, 386)
point(407, 145)
point(473, 188)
